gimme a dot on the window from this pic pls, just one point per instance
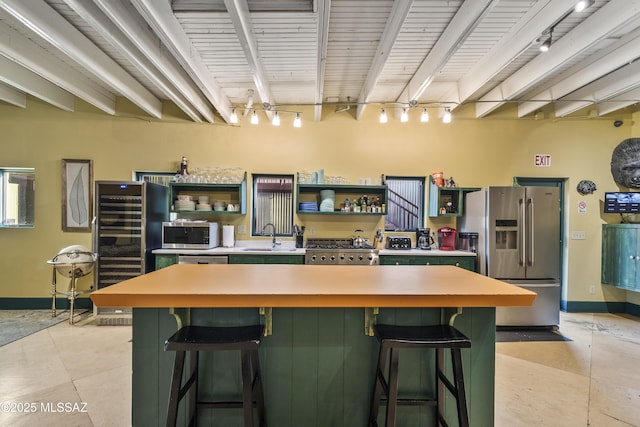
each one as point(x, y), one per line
point(273, 203)
point(17, 197)
point(405, 207)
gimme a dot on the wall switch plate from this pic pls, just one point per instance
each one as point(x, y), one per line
point(578, 235)
point(592, 290)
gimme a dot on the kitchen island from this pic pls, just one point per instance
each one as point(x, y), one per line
point(318, 362)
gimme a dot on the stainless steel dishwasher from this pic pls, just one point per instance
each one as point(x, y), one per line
point(203, 259)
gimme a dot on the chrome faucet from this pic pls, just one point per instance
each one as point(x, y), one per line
point(273, 233)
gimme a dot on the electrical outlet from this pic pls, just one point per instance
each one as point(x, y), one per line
point(592, 289)
point(578, 235)
point(242, 229)
point(312, 231)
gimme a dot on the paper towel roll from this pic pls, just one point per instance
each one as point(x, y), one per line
point(228, 240)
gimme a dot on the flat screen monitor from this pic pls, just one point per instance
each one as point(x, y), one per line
point(622, 202)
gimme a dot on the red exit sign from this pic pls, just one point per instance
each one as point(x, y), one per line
point(542, 160)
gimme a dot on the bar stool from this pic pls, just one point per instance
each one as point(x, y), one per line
point(440, 337)
point(193, 339)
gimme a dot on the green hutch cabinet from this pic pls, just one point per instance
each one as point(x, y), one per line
point(621, 256)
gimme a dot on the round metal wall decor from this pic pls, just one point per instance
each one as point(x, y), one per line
point(625, 163)
point(586, 187)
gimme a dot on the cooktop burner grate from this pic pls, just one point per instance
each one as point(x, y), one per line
point(334, 244)
point(339, 251)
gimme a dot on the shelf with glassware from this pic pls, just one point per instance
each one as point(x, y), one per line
point(347, 199)
point(447, 201)
point(209, 198)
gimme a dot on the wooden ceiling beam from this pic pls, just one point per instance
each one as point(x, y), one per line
point(123, 28)
point(160, 18)
point(607, 20)
point(40, 18)
point(29, 82)
point(396, 19)
point(25, 52)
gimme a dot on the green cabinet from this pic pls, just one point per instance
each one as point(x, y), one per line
point(165, 260)
point(621, 256)
point(447, 201)
point(466, 262)
point(311, 193)
point(265, 259)
point(234, 194)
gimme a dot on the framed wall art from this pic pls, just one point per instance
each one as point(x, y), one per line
point(77, 194)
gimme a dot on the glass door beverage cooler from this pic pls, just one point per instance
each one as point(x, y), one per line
point(127, 227)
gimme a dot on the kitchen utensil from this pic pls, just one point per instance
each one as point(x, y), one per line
point(358, 240)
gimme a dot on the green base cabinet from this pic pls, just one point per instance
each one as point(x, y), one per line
point(265, 259)
point(317, 367)
point(163, 260)
point(466, 262)
point(621, 256)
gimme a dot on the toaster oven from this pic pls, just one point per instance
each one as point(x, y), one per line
point(189, 235)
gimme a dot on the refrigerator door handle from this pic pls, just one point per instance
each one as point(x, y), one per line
point(531, 250)
point(522, 232)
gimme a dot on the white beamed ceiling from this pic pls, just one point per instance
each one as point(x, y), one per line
point(206, 56)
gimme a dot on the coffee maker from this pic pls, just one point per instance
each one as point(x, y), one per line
point(447, 238)
point(424, 240)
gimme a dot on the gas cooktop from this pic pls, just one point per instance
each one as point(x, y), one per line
point(335, 244)
point(339, 252)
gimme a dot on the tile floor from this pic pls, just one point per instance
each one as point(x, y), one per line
point(591, 381)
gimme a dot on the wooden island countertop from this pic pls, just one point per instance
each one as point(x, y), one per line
point(276, 285)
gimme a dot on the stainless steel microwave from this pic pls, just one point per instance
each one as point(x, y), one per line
point(189, 235)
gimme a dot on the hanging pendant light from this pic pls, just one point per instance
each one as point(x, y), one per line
point(297, 122)
point(446, 118)
point(276, 119)
point(404, 117)
point(424, 117)
point(254, 118)
point(383, 116)
point(234, 117)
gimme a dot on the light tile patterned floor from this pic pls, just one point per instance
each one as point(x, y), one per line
point(591, 381)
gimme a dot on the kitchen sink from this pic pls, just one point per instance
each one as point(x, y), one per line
point(265, 249)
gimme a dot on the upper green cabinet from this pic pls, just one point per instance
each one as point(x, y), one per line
point(621, 255)
point(376, 196)
point(447, 201)
point(223, 194)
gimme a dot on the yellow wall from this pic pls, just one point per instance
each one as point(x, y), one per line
point(476, 153)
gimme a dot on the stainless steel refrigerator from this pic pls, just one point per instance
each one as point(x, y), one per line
point(127, 227)
point(519, 242)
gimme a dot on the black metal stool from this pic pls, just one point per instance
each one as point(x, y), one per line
point(193, 339)
point(439, 337)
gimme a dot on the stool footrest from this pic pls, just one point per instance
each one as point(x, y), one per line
point(192, 340)
point(222, 404)
point(409, 401)
point(392, 338)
